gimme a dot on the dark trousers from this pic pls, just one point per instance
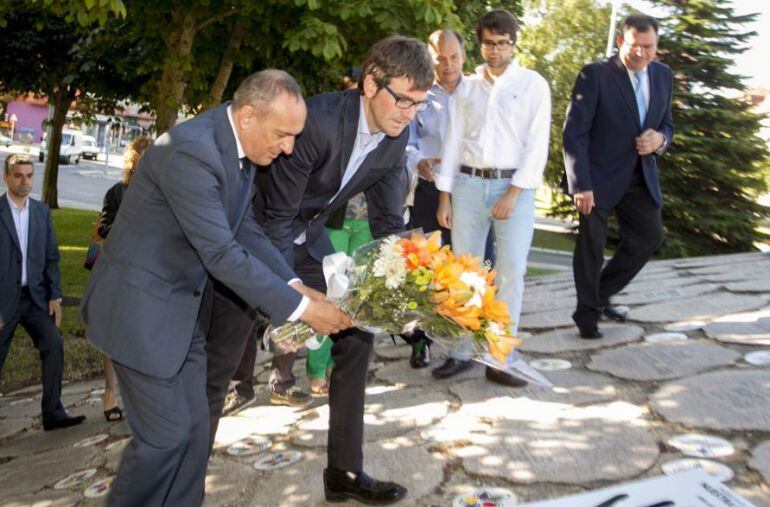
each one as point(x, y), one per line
point(232, 324)
point(641, 230)
point(243, 378)
point(165, 461)
point(351, 352)
point(423, 214)
point(48, 343)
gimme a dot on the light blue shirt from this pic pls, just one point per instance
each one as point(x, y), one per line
point(21, 222)
point(427, 131)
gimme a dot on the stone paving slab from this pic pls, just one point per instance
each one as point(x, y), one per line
point(568, 340)
point(551, 319)
point(750, 328)
point(393, 351)
point(696, 308)
point(227, 479)
point(30, 474)
point(722, 260)
point(266, 420)
point(723, 400)
point(390, 412)
point(487, 399)
point(755, 285)
point(662, 361)
point(400, 372)
point(664, 294)
point(676, 282)
point(730, 276)
point(300, 485)
point(757, 264)
point(579, 447)
point(547, 304)
point(14, 425)
point(44, 499)
point(761, 460)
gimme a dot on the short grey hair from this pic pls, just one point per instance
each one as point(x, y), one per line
point(261, 88)
point(16, 159)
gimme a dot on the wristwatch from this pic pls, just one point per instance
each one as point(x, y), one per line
point(659, 151)
point(58, 300)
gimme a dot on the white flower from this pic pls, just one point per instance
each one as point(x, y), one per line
point(391, 264)
point(494, 328)
point(477, 284)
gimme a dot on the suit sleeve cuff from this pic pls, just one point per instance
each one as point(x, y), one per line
point(297, 313)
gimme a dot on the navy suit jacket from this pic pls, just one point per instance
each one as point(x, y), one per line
point(43, 277)
point(601, 126)
point(301, 185)
point(183, 220)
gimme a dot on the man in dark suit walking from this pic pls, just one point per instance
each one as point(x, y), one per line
point(30, 292)
point(618, 123)
point(184, 221)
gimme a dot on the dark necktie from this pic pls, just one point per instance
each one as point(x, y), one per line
point(246, 167)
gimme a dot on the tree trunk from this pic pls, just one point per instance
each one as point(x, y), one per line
point(61, 104)
point(226, 64)
point(174, 79)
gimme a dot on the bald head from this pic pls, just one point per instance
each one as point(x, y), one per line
point(448, 52)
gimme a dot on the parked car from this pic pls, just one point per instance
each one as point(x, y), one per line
point(71, 147)
point(88, 148)
point(5, 141)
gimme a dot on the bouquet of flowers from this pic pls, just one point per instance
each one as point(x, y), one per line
point(401, 282)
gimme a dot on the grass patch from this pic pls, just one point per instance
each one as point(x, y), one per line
point(81, 360)
point(551, 240)
point(532, 272)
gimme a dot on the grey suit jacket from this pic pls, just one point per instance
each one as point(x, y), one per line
point(43, 277)
point(183, 218)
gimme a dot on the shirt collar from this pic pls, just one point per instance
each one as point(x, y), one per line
point(241, 153)
point(13, 204)
point(363, 125)
point(437, 88)
point(509, 71)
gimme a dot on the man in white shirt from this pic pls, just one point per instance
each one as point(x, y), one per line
point(494, 158)
point(30, 292)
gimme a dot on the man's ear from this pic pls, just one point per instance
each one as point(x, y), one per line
point(370, 86)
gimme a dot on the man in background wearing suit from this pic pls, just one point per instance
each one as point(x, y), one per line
point(30, 293)
point(185, 220)
point(618, 123)
point(354, 141)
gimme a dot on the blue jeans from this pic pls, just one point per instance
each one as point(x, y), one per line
point(472, 202)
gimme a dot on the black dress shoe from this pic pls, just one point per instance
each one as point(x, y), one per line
point(420, 357)
point(451, 367)
point(506, 379)
point(611, 312)
point(590, 332)
point(64, 422)
point(340, 486)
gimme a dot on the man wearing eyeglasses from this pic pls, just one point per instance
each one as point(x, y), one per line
point(353, 142)
point(494, 158)
point(618, 123)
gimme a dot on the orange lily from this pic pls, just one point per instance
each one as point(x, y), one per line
point(502, 346)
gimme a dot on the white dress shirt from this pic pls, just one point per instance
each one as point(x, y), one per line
point(505, 125)
point(365, 143)
point(305, 300)
point(21, 222)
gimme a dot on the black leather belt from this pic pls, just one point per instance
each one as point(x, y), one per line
point(487, 173)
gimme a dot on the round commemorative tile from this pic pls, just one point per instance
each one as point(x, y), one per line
point(99, 488)
point(276, 460)
point(718, 471)
point(75, 479)
point(550, 364)
point(701, 446)
point(758, 358)
point(664, 337)
point(86, 442)
point(681, 327)
point(486, 497)
point(249, 446)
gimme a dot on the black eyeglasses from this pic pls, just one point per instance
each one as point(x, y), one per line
point(407, 103)
point(501, 44)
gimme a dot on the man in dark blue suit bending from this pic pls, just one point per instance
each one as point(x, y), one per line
point(618, 123)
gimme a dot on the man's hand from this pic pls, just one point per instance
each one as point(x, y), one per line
point(54, 310)
point(307, 291)
point(584, 201)
point(325, 317)
point(425, 167)
point(504, 206)
point(649, 142)
point(444, 211)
